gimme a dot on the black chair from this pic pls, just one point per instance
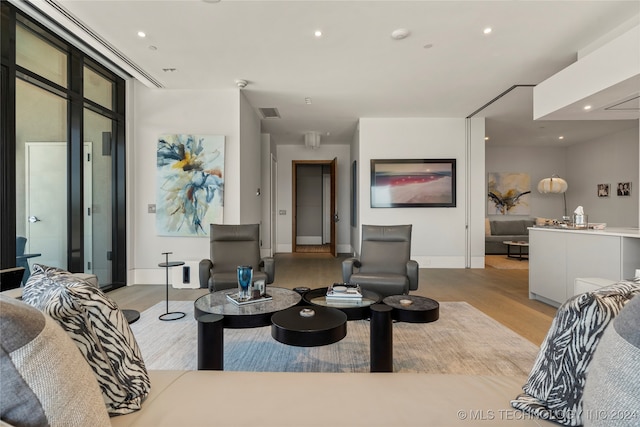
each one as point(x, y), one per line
point(384, 265)
point(22, 258)
point(231, 246)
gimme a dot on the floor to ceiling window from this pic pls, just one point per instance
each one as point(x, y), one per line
point(63, 201)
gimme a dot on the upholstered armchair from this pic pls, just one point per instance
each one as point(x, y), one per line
point(231, 246)
point(384, 266)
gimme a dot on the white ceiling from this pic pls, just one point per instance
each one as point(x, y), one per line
point(446, 67)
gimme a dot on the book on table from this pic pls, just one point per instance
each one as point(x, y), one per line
point(237, 300)
point(344, 291)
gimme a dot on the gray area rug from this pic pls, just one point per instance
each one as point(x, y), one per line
point(463, 341)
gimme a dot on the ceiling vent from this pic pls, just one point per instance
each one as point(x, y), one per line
point(269, 113)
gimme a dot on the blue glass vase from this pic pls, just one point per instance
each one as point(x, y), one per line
point(245, 275)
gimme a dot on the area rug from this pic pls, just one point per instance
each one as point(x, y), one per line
point(462, 341)
point(504, 263)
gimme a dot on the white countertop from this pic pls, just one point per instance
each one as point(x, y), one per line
point(609, 231)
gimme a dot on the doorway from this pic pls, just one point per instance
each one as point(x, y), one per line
point(314, 206)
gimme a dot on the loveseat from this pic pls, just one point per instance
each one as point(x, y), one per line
point(500, 231)
point(42, 372)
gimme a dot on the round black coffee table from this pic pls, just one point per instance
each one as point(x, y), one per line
point(355, 310)
point(413, 308)
point(309, 326)
point(249, 315)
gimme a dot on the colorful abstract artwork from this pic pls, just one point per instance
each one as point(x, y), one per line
point(190, 184)
point(509, 193)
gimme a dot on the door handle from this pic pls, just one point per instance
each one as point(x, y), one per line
point(33, 219)
point(336, 218)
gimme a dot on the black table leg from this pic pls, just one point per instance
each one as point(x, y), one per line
point(210, 342)
point(381, 338)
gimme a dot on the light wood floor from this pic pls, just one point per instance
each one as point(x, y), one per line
point(501, 294)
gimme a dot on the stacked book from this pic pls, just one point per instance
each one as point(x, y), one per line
point(344, 293)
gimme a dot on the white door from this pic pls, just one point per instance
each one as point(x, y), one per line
point(46, 202)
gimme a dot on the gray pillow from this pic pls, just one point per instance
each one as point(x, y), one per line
point(99, 329)
point(45, 379)
point(612, 388)
point(554, 389)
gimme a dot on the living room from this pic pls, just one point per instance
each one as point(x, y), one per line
point(448, 242)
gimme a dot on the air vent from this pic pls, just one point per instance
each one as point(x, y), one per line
point(269, 113)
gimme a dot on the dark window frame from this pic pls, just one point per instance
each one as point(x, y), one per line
point(77, 59)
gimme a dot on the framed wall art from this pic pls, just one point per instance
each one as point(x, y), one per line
point(190, 184)
point(624, 189)
point(401, 183)
point(603, 190)
point(508, 193)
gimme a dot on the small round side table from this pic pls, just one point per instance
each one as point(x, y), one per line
point(173, 315)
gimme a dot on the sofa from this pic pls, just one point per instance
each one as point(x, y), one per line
point(497, 232)
point(42, 372)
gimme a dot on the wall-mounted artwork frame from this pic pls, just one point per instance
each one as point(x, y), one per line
point(190, 184)
point(354, 193)
point(508, 193)
point(624, 189)
point(603, 190)
point(413, 183)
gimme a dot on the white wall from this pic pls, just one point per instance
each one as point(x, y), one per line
point(538, 164)
point(439, 234)
point(286, 154)
point(608, 160)
point(154, 112)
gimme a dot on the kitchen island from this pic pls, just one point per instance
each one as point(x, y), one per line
point(557, 256)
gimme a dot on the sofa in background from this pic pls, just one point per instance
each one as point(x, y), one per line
point(499, 231)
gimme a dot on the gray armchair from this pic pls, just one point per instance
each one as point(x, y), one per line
point(384, 266)
point(231, 246)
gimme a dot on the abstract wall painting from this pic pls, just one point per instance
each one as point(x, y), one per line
point(413, 183)
point(509, 193)
point(190, 184)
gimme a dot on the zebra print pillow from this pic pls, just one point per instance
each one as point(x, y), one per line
point(99, 329)
point(555, 385)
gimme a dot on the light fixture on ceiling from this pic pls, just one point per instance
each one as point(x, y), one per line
point(487, 30)
point(142, 34)
point(318, 33)
point(312, 139)
point(555, 185)
point(561, 137)
point(241, 83)
point(587, 107)
point(400, 33)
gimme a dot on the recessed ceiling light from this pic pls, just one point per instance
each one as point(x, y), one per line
point(400, 33)
point(587, 107)
point(486, 138)
point(141, 34)
point(428, 46)
point(561, 137)
point(152, 47)
point(318, 33)
point(487, 30)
